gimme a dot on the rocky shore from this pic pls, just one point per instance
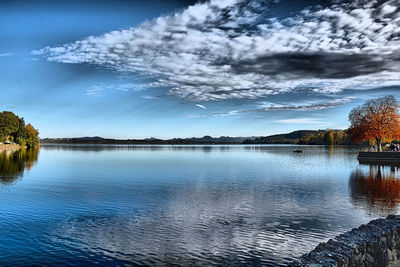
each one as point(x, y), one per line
point(9, 147)
point(374, 244)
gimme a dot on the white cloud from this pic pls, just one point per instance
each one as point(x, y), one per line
point(128, 87)
point(388, 9)
point(94, 90)
point(107, 88)
point(214, 114)
point(302, 121)
point(229, 113)
point(268, 106)
point(5, 54)
point(230, 49)
point(148, 97)
point(201, 106)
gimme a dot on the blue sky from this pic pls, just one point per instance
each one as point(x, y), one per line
point(137, 69)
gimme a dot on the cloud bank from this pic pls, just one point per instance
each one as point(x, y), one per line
point(232, 49)
point(270, 106)
point(266, 106)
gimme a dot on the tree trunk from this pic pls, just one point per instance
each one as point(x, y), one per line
point(379, 145)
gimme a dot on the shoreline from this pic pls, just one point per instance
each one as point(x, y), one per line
point(4, 147)
point(188, 144)
point(384, 157)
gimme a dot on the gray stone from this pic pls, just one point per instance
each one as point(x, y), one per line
point(374, 244)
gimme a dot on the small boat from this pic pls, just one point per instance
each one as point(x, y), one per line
point(297, 151)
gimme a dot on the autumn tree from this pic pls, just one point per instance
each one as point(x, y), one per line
point(329, 138)
point(378, 120)
point(32, 136)
point(341, 138)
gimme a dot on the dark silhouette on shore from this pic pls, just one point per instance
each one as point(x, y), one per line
point(306, 137)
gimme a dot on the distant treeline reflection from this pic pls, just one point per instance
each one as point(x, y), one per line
point(14, 163)
point(376, 190)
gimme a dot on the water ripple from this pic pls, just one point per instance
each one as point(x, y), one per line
point(181, 206)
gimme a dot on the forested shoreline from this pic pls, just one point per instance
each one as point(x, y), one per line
point(13, 130)
point(304, 137)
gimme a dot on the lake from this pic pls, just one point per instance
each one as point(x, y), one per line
point(183, 205)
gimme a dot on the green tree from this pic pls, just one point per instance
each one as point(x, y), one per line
point(20, 134)
point(12, 128)
point(9, 124)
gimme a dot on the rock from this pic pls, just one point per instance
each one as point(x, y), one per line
point(374, 244)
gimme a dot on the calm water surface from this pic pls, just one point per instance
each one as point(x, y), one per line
point(183, 205)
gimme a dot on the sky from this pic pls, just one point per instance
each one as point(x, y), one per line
point(169, 68)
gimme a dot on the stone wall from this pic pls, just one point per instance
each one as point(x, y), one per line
point(387, 157)
point(8, 147)
point(374, 244)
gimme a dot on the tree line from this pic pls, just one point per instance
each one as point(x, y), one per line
point(13, 129)
point(306, 137)
point(327, 137)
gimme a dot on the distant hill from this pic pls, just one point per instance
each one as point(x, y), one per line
point(305, 137)
point(193, 140)
point(209, 139)
point(94, 138)
point(287, 138)
point(296, 134)
point(313, 137)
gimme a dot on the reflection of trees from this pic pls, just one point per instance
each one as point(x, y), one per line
point(378, 190)
point(13, 164)
point(111, 147)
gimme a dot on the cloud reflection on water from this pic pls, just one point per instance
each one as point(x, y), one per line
point(180, 205)
point(234, 219)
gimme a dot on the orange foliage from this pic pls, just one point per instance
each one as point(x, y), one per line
point(32, 139)
point(378, 190)
point(31, 130)
point(377, 119)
